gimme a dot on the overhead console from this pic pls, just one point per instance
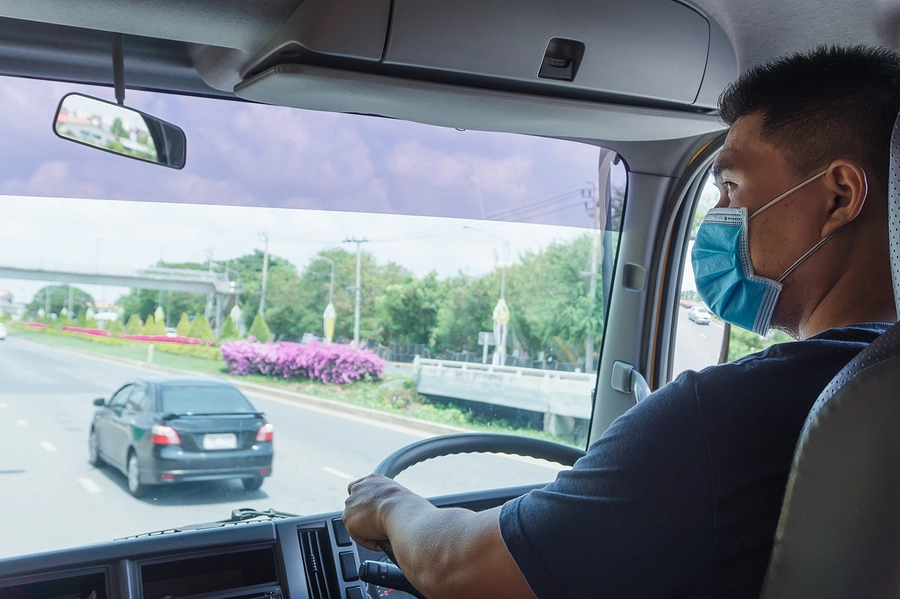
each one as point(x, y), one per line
point(468, 63)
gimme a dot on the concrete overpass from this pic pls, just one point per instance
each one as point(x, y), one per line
point(165, 279)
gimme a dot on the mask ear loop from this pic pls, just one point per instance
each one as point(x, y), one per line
point(806, 255)
point(787, 193)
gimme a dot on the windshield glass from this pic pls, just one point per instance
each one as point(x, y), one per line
point(365, 283)
point(204, 400)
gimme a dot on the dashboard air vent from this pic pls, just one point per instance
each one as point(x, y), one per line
point(318, 561)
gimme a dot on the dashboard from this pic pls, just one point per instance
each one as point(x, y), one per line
point(303, 557)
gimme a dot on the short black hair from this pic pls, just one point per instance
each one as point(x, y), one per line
point(832, 102)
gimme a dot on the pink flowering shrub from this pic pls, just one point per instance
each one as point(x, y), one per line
point(36, 325)
point(325, 363)
point(95, 332)
point(162, 339)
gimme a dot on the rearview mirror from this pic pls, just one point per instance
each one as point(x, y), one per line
point(99, 401)
point(119, 130)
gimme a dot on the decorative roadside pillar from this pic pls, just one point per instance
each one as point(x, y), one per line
point(501, 326)
point(329, 316)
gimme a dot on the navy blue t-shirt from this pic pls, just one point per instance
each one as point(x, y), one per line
point(681, 496)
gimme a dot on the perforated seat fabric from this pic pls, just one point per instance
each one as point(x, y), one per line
point(839, 530)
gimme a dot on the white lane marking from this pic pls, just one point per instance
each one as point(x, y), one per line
point(48, 446)
point(90, 485)
point(21, 422)
point(702, 335)
point(4, 406)
point(339, 474)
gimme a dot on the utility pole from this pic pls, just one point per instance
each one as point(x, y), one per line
point(264, 235)
point(358, 289)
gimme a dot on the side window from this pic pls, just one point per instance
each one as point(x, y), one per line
point(119, 399)
point(136, 400)
point(701, 335)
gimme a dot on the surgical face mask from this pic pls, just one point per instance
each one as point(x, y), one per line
point(723, 271)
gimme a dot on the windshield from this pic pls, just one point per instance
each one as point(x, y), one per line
point(364, 282)
point(204, 400)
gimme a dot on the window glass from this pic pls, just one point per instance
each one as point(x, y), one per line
point(118, 400)
point(327, 264)
point(136, 399)
point(204, 400)
point(700, 333)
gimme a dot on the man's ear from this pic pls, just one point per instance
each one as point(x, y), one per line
point(846, 181)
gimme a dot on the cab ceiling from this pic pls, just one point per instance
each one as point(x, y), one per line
point(201, 47)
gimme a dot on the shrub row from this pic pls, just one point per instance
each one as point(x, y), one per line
point(325, 363)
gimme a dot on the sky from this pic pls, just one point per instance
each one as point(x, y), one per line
point(428, 198)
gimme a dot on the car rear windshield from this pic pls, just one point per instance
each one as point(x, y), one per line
point(204, 400)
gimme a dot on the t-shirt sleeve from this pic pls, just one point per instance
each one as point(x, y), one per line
point(619, 522)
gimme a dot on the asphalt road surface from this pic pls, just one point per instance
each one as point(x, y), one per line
point(52, 498)
point(696, 345)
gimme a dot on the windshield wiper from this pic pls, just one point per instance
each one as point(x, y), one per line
point(243, 515)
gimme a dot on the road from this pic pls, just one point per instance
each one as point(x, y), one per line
point(52, 498)
point(696, 345)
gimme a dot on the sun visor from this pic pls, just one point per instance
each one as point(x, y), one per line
point(331, 90)
point(646, 52)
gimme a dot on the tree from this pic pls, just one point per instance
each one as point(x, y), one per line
point(184, 325)
point(466, 309)
point(118, 129)
point(200, 328)
point(133, 326)
point(149, 325)
point(408, 312)
point(115, 327)
point(59, 299)
point(229, 330)
point(153, 326)
point(548, 295)
point(259, 329)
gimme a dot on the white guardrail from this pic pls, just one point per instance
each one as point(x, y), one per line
point(549, 392)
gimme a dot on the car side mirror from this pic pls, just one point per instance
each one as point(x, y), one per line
point(99, 402)
point(120, 130)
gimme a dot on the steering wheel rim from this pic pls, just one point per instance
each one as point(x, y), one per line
point(461, 443)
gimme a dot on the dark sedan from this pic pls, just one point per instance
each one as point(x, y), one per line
point(170, 430)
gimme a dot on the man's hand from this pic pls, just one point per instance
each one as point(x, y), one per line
point(371, 499)
point(448, 552)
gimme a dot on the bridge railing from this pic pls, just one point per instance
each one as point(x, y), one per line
point(564, 398)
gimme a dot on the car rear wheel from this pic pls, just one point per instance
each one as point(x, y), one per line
point(94, 450)
point(252, 484)
point(134, 476)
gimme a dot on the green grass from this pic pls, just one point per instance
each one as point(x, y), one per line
point(129, 351)
point(393, 394)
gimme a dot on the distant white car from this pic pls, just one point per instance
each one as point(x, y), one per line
point(2, 331)
point(699, 314)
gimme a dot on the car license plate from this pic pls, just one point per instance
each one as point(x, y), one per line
point(220, 441)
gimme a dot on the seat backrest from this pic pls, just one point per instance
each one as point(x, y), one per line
point(839, 530)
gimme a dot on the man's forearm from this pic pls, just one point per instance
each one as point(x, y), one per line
point(448, 552)
point(442, 551)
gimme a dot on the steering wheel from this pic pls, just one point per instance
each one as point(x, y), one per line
point(445, 445)
point(455, 444)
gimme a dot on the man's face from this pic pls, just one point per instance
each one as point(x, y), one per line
point(750, 173)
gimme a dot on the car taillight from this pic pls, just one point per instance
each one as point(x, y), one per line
point(264, 433)
point(161, 434)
